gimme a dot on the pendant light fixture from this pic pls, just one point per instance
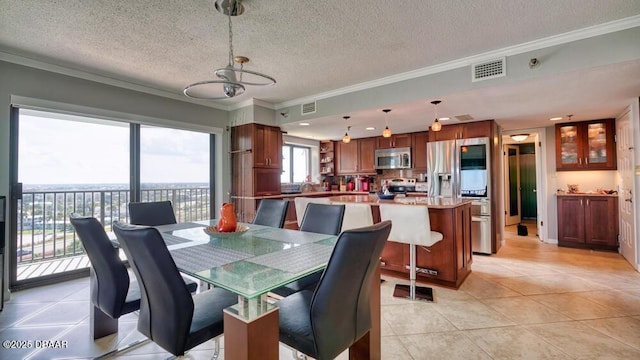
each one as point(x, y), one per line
point(229, 80)
point(386, 132)
point(346, 138)
point(436, 125)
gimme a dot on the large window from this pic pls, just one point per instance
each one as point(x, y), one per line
point(296, 163)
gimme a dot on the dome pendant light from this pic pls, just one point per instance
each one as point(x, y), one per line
point(228, 82)
point(346, 138)
point(436, 125)
point(386, 132)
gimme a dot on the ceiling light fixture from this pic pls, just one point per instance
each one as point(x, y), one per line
point(346, 138)
point(556, 118)
point(436, 125)
point(519, 137)
point(229, 82)
point(370, 128)
point(386, 132)
point(304, 124)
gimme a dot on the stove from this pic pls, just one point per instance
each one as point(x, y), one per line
point(401, 185)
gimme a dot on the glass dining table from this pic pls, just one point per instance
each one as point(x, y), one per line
point(251, 264)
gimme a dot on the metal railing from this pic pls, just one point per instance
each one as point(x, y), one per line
point(45, 233)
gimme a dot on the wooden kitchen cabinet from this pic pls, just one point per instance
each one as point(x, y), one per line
point(419, 150)
point(266, 181)
point(355, 157)
point(267, 147)
point(462, 131)
point(586, 145)
point(395, 141)
point(327, 157)
point(588, 221)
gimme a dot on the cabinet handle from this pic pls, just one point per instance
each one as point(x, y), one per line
point(580, 202)
point(580, 163)
point(587, 202)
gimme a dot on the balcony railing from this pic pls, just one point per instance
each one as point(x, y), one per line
point(45, 233)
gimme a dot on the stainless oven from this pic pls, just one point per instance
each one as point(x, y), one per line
point(474, 166)
point(396, 158)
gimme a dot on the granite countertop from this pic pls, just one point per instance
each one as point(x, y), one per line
point(587, 194)
point(312, 193)
point(435, 203)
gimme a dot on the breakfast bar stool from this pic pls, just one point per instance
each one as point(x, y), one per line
point(301, 206)
point(411, 226)
point(357, 216)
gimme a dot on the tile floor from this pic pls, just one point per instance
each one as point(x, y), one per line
point(530, 301)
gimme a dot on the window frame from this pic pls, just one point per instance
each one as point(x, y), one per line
point(291, 148)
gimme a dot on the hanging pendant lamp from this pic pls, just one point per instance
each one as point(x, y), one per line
point(386, 132)
point(229, 82)
point(436, 125)
point(346, 138)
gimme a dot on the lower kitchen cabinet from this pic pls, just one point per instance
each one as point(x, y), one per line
point(589, 222)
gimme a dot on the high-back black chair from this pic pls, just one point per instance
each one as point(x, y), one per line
point(169, 315)
point(323, 218)
point(324, 322)
point(318, 218)
point(112, 292)
point(151, 213)
point(271, 212)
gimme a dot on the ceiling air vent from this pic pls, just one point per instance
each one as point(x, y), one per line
point(489, 70)
point(309, 108)
point(465, 117)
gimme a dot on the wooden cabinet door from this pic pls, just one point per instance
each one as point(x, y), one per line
point(266, 181)
point(571, 219)
point(599, 149)
point(384, 143)
point(260, 151)
point(346, 157)
point(267, 147)
point(476, 129)
point(448, 132)
point(401, 140)
point(367, 148)
point(601, 218)
point(419, 150)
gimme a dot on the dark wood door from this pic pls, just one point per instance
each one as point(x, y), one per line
point(383, 142)
point(476, 129)
point(571, 219)
point(601, 220)
point(448, 132)
point(401, 140)
point(266, 181)
point(347, 157)
point(419, 150)
point(367, 147)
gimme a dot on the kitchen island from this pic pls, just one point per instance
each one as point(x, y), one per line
point(447, 262)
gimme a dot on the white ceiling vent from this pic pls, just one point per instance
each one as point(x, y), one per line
point(489, 70)
point(465, 117)
point(308, 108)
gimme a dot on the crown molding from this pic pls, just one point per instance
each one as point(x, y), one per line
point(251, 102)
point(37, 64)
point(575, 35)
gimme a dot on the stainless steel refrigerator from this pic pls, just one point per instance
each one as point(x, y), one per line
point(461, 168)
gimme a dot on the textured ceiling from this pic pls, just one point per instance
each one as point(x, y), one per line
point(310, 47)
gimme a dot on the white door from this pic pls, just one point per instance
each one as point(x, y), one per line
point(512, 187)
point(625, 197)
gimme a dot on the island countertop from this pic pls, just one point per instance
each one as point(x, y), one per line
point(431, 202)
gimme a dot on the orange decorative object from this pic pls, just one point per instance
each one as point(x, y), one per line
point(227, 222)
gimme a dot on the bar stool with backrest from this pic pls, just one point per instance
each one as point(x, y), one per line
point(411, 225)
point(169, 315)
point(271, 212)
point(153, 213)
point(301, 206)
point(325, 321)
point(319, 218)
point(357, 216)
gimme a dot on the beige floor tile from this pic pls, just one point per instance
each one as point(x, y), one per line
point(510, 343)
point(576, 307)
point(26, 338)
point(415, 318)
point(61, 313)
point(448, 345)
point(549, 284)
point(393, 349)
point(623, 329)
point(482, 288)
point(628, 304)
point(583, 342)
point(472, 315)
point(522, 310)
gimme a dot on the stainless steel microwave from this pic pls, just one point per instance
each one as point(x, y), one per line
point(396, 158)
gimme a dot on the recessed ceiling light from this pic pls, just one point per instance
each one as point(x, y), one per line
point(370, 128)
point(556, 118)
point(304, 124)
point(443, 119)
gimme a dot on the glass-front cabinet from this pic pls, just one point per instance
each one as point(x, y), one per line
point(587, 145)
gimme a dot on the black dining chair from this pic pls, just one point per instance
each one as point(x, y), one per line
point(318, 218)
point(169, 315)
point(324, 322)
point(153, 213)
point(271, 212)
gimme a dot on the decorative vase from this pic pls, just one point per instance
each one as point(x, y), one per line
point(228, 221)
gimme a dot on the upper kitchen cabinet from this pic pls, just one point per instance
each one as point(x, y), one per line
point(355, 157)
point(326, 157)
point(419, 150)
point(462, 131)
point(587, 145)
point(267, 147)
point(398, 140)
